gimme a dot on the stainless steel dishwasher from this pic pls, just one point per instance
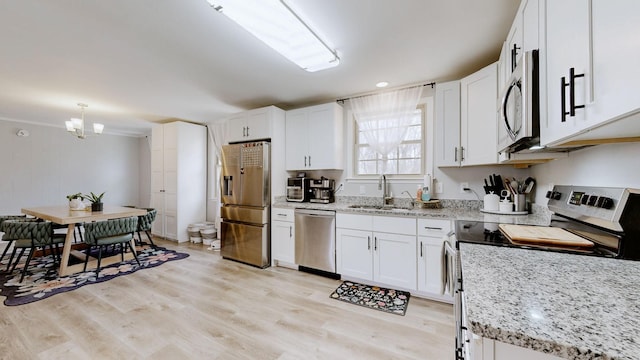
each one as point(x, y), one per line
point(316, 240)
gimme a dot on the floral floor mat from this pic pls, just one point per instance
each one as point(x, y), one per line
point(373, 297)
point(42, 281)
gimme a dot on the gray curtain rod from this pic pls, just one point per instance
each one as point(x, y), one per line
point(432, 84)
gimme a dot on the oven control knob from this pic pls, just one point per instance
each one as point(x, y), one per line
point(592, 200)
point(605, 202)
point(556, 195)
point(584, 199)
point(548, 194)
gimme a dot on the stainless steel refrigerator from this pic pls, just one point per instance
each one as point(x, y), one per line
point(245, 191)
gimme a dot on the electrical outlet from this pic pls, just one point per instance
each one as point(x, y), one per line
point(463, 186)
point(439, 188)
point(362, 190)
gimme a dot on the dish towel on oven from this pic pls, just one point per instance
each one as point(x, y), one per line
point(448, 268)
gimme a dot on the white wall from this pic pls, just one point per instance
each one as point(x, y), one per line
point(615, 165)
point(43, 168)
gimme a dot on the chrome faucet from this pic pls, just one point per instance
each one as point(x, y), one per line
point(382, 185)
point(413, 201)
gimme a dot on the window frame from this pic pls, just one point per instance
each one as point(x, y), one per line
point(427, 105)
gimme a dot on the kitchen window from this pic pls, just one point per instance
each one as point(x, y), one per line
point(406, 159)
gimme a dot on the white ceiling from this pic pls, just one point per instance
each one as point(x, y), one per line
point(135, 62)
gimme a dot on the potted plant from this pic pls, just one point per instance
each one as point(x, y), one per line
point(75, 201)
point(96, 201)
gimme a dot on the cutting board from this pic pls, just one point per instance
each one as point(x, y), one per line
point(543, 235)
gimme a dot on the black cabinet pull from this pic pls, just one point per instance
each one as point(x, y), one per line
point(368, 242)
point(572, 94)
point(455, 154)
point(514, 56)
point(421, 249)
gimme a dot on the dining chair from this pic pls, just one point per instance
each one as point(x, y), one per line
point(29, 235)
point(9, 241)
point(144, 224)
point(101, 234)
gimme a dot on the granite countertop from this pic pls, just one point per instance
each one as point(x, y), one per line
point(571, 306)
point(451, 209)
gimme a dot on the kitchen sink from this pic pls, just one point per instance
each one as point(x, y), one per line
point(379, 207)
point(365, 207)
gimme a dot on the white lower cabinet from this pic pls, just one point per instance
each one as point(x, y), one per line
point(487, 349)
point(431, 236)
point(283, 237)
point(377, 248)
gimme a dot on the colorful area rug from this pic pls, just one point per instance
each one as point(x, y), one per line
point(373, 297)
point(42, 281)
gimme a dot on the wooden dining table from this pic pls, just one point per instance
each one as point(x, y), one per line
point(65, 216)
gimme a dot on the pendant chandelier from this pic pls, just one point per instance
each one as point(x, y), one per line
point(75, 126)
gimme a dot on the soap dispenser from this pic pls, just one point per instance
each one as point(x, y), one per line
point(426, 193)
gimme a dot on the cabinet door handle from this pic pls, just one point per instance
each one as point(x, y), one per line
point(420, 248)
point(247, 131)
point(572, 94)
point(368, 242)
point(432, 228)
point(290, 231)
point(455, 154)
point(461, 153)
point(305, 161)
point(563, 85)
point(375, 243)
point(514, 56)
point(309, 160)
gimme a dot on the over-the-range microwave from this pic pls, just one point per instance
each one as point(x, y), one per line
point(519, 108)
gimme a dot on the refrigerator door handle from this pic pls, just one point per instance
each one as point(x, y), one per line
point(227, 185)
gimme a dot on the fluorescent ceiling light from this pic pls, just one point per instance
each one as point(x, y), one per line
point(275, 23)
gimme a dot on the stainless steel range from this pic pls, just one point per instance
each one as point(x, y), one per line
point(606, 219)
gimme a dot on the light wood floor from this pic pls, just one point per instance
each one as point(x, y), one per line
point(205, 307)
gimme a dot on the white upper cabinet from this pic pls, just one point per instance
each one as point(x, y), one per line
point(466, 123)
point(314, 138)
point(593, 46)
point(567, 47)
point(447, 139)
point(251, 125)
point(478, 122)
point(523, 36)
point(514, 42)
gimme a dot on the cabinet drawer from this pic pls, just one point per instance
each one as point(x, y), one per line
point(395, 225)
point(433, 227)
point(280, 214)
point(352, 221)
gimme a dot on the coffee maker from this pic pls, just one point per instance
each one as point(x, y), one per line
point(322, 190)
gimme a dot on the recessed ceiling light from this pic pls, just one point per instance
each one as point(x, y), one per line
point(382, 84)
